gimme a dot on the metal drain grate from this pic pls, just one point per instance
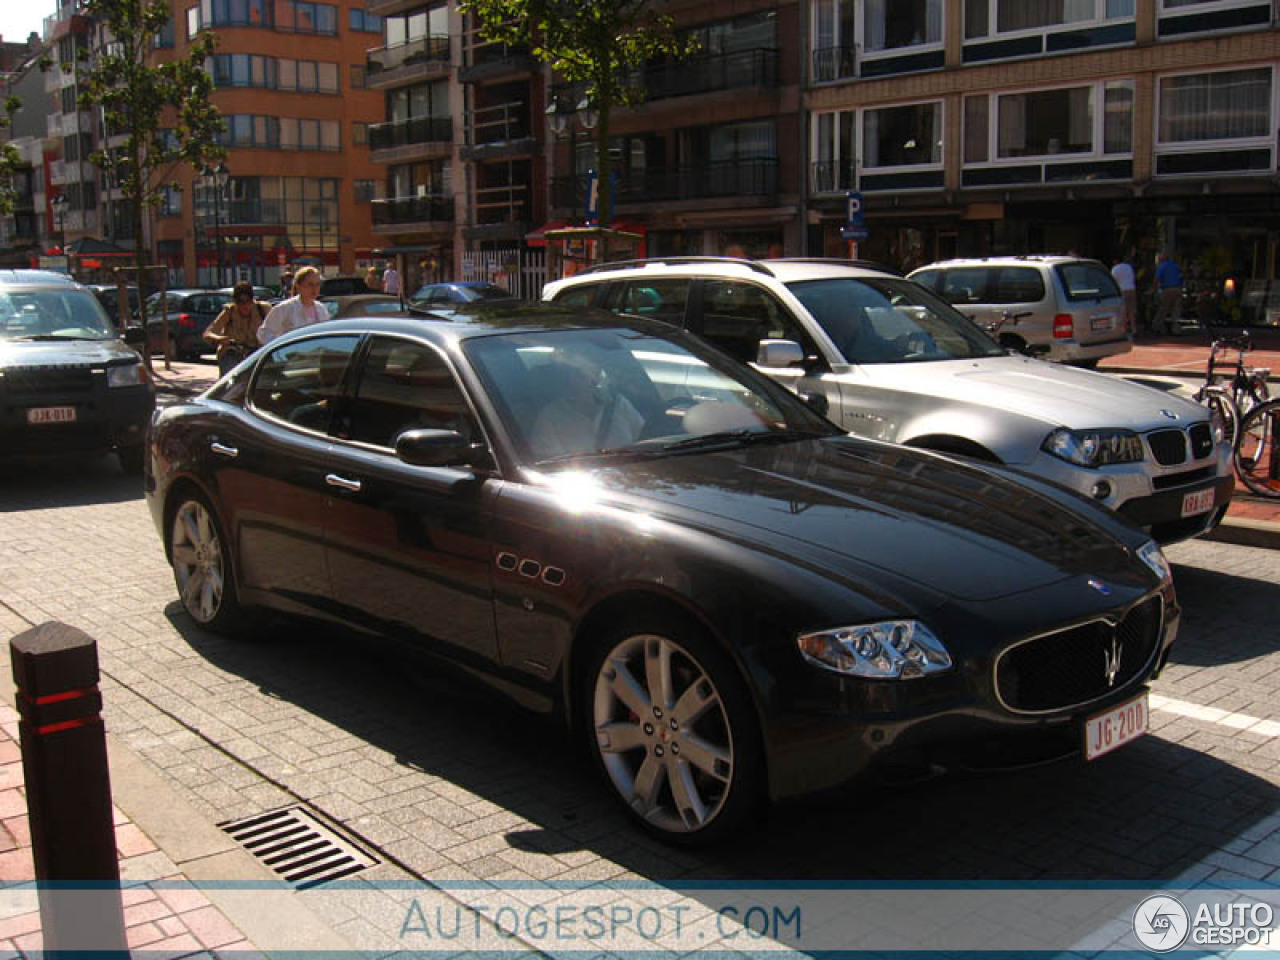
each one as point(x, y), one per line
point(298, 846)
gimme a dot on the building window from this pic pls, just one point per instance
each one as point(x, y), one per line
point(366, 191)
point(1014, 16)
point(170, 203)
point(164, 39)
point(1229, 105)
point(357, 76)
point(300, 16)
point(1049, 123)
point(244, 70)
point(303, 134)
point(193, 21)
point(835, 151)
point(230, 13)
point(834, 36)
point(416, 24)
point(902, 136)
point(359, 134)
point(895, 24)
point(362, 22)
point(422, 100)
point(307, 76)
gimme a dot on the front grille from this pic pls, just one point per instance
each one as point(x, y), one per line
point(1201, 435)
point(1171, 480)
point(1070, 668)
point(1169, 447)
point(27, 384)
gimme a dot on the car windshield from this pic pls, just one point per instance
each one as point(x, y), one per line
point(874, 320)
point(571, 394)
point(62, 314)
point(484, 291)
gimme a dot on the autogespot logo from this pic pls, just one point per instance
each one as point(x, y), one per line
point(1161, 923)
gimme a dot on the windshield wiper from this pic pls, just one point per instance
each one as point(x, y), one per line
point(610, 453)
point(742, 435)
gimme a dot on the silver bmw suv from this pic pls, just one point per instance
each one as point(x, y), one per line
point(887, 359)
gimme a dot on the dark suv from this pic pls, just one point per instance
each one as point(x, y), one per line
point(67, 383)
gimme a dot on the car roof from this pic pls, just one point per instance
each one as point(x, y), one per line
point(784, 270)
point(27, 278)
point(1047, 259)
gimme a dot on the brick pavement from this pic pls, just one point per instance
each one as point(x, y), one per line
point(164, 918)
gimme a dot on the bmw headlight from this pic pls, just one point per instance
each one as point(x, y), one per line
point(1094, 448)
point(884, 651)
point(1151, 554)
point(126, 375)
point(1218, 425)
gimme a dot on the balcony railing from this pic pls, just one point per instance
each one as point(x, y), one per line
point(833, 177)
point(742, 178)
point(834, 63)
point(423, 50)
point(729, 71)
point(502, 204)
point(412, 210)
point(501, 123)
point(399, 133)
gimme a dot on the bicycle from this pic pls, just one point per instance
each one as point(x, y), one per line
point(1257, 454)
point(1246, 389)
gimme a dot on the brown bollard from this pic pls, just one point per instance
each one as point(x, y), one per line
point(64, 763)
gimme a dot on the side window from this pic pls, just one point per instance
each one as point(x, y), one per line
point(927, 278)
point(300, 382)
point(1016, 285)
point(404, 385)
point(582, 296)
point(965, 285)
point(736, 316)
point(655, 299)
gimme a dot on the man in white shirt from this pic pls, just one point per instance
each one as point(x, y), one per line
point(391, 280)
point(1126, 280)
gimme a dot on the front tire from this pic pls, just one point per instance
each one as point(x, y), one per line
point(672, 729)
point(202, 566)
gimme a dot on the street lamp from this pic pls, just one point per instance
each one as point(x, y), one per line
point(219, 176)
point(59, 204)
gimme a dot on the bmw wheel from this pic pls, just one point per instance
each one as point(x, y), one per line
point(201, 567)
point(673, 730)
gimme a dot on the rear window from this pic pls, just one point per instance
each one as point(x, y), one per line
point(1086, 281)
point(991, 285)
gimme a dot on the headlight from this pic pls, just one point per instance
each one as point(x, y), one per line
point(1218, 425)
point(1094, 448)
point(1151, 554)
point(127, 375)
point(883, 651)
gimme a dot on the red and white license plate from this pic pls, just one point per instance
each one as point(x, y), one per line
point(1198, 502)
point(1118, 726)
point(51, 415)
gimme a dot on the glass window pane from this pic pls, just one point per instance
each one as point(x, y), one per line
point(900, 136)
point(329, 135)
point(1046, 122)
point(976, 129)
point(288, 74)
point(1117, 123)
point(1215, 106)
point(328, 77)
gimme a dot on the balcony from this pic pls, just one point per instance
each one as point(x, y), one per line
point(834, 63)
point(240, 212)
point(501, 130)
point(426, 212)
point(80, 221)
point(62, 172)
point(741, 178)
point(424, 57)
point(832, 177)
point(730, 71)
point(56, 78)
point(487, 61)
point(413, 138)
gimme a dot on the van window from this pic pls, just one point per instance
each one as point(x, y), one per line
point(1087, 280)
point(1016, 285)
point(965, 285)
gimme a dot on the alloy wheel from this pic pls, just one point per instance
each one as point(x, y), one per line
point(663, 733)
point(197, 561)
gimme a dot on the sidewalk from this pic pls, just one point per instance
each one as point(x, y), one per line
point(164, 918)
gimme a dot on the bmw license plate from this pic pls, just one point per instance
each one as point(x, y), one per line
point(1104, 732)
point(1198, 502)
point(51, 415)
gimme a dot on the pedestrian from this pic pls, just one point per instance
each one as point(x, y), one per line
point(1127, 281)
point(286, 283)
point(391, 280)
point(1168, 294)
point(235, 330)
point(300, 310)
point(372, 280)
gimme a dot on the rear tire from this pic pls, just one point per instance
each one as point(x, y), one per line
point(672, 730)
point(201, 560)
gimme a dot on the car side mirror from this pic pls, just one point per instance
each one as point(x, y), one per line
point(817, 402)
point(134, 337)
point(434, 448)
point(779, 353)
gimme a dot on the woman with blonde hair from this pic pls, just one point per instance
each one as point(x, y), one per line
point(300, 310)
point(373, 280)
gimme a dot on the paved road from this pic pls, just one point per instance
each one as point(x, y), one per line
point(447, 783)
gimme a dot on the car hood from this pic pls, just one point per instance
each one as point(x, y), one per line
point(846, 506)
point(1056, 394)
point(63, 353)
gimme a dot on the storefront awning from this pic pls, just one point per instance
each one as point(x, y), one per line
point(93, 247)
point(538, 238)
point(408, 248)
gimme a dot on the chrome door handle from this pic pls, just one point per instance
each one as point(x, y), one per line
point(224, 450)
point(334, 480)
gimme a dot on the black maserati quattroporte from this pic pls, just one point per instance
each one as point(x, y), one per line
point(730, 598)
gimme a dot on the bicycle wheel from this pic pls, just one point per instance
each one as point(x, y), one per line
point(1219, 401)
point(1257, 456)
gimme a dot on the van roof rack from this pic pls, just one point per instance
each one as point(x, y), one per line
point(755, 265)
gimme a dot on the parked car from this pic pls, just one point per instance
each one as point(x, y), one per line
point(265, 294)
point(190, 313)
point(894, 362)
point(730, 598)
point(1065, 308)
point(108, 295)
point(68, 385)
point(361, 305)
point(343, 286)
point(453, 295)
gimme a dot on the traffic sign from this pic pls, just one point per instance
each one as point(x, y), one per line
point(856, 234)
point(853, 208)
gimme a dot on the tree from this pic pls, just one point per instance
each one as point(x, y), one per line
point(10, 160)
point(596, 43)
point(162, 108)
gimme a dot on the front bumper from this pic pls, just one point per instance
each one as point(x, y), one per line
point(104, 419)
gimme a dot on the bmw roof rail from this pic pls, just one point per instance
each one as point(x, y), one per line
point(865, 264)
point(755, 265)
